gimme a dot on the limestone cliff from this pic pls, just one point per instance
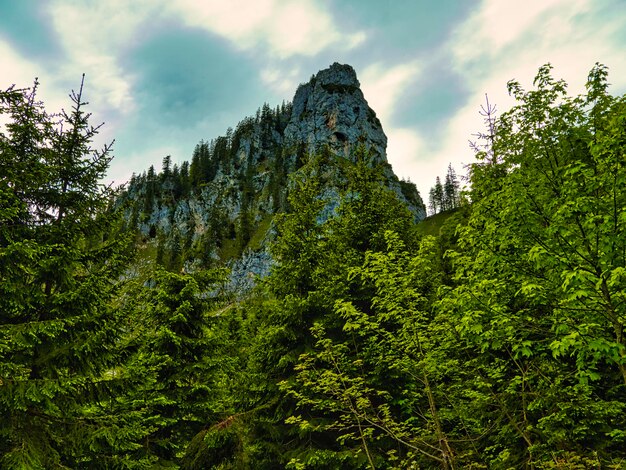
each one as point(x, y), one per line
point(331, 109)
point(219, 207)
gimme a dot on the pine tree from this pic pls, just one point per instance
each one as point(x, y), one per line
point(185, 179)
point(151, 190)
point(175, 261)
point(317, 249)
point(182, 350)
point(450, 190)
point(195, 171)
point(436, 197)
point(59, 264)
point(166, 169)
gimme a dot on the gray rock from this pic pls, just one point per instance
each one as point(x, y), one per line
point(328, 110)
point(331, 109)
point(246, 270)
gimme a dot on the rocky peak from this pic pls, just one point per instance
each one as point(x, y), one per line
point(331, 109)
point(221, 207)
point(338, 77)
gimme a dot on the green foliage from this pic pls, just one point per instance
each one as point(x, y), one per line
point(491, 336)
point(445, 197)
point(316, 249)
point(435, 199)
point(411, 194)
point(60, 260)
point(540, 291)
point(179, 350)
point(377, 377)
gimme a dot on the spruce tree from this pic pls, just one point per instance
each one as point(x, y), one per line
point(436, 197)
point(60, 264)
point(318, 246)
point(166, 169)
point(182, 353)
point(450, 190)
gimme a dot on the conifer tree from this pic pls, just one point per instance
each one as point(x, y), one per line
point(185, 179)
point(182, 352)
point(316, 250)
point(166, 169)
point(151, 190)
point(450, 190)
point(436, 197)
point(195, 171)
point(60, 264)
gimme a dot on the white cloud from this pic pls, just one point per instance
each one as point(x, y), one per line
point(511, 40)
point(383, 86)
point(92, 35)
point(497, 25)
point(284, 81)
point(404, 145)
point(286, 28)
point(15, 69)
point(21, 72)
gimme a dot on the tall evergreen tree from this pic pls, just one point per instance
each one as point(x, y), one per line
point(436, 197)
point(60, 263)
point(151, 191)
point(182, 351)
point(166, 169)
point(185, 179)
point(316, 251)
point(450, 190)
point(195, 171)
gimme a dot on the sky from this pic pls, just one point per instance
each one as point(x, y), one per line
point(164, 74)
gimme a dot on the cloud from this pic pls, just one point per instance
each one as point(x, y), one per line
point(21, 72)
point(283, 81)
point(93, 35)
point(383, 86)
point(15, 69)
point(404, 145)
point(97, 37)
point(497, 25)
point(506, 40)
point(286, 28)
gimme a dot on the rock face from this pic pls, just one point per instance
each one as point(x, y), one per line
point(220, 206)
point(331, 109)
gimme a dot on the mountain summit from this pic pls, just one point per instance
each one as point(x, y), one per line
point(220, 205)
point(331, 109)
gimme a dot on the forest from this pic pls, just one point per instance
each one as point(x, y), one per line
point(487, 336)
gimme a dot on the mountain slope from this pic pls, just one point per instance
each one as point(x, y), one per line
point(219, 206)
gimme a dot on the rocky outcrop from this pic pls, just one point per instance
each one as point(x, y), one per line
point(220, 207)
point(331, 109)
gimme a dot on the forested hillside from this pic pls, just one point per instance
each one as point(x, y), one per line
point(491, 337)
point(217, 208)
